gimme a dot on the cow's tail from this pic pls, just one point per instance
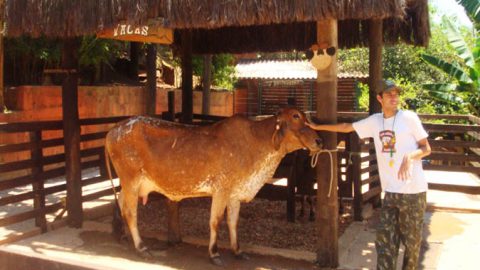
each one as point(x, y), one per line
point(109, 172)
point(117, 220)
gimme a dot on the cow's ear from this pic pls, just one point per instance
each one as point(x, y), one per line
point(278, 135)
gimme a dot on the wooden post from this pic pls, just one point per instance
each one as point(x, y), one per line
point(375, 43)
point(174, 236)
point(345, 187)
point(187, 82)
point(3, 107)
point(133, 64)
point(187, 117)
point(151, 89)
point(206, 81)
point(71, 132)
point(327, 204)
point(356, 168)
point(38, 183)
point(291, 184)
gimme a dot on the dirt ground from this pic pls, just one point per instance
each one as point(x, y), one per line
point(262, 222)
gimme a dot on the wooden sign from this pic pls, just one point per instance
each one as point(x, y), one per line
point(151, 33)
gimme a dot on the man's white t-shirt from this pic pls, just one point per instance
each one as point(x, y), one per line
point(407, 131)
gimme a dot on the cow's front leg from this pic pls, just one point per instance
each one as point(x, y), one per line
point(233, 212)
point(216, 215)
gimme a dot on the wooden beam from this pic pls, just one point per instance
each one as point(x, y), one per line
point(3, 107)
point(327, 198)
point(151, 89)
point(151, 32)
point(375, 43)
point(206, 82)
point(187, 81)
point(71, 133)
point(133, 64)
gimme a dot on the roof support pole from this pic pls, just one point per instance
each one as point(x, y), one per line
point(3, 107)
point(375, 43)
point(327, 197)
point(71, 132)
point(187, 81)
point(206, 81)
point(151, 89)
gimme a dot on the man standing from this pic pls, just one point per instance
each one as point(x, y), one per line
point(400, 144)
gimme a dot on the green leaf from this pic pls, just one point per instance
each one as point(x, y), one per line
point(446, 67)
point(458, 43)
point(472, 7)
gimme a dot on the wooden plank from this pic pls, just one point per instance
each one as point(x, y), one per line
point(38, 184)
point(452, 157)
point(474, 190)
point(16, 198)
point(371, 168)
point(371, 193)
point(16, 165)
point(151, 32)
point(451, 128)
point(452, 168)
point(453, 143)
point(16, 182)
point(102, 120)
point(9, 148)
point(30, 126)
point(371, 179)
point(93, 136)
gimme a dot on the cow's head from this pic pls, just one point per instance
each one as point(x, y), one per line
point(292, 133)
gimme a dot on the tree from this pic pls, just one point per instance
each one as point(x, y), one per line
point(464, 91)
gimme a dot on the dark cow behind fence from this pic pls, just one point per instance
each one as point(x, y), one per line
point(229, 161)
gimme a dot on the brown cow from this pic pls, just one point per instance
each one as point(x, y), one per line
point(229, 161)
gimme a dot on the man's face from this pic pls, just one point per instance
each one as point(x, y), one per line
point(390, 99)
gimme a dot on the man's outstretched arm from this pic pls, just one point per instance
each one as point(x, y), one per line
point(340, 127)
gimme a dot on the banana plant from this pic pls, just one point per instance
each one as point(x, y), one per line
point(464, 89)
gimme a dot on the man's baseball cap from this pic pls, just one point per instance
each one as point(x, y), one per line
point(386, 86)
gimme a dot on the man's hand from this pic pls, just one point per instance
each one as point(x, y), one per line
point(404, 172)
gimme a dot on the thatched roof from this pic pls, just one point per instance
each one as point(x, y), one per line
point(226, 26)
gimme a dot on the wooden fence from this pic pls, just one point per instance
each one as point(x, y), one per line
point(456, 147)
point(37, 177)
point(455, 142)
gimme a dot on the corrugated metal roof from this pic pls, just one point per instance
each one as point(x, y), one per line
point(281, 70)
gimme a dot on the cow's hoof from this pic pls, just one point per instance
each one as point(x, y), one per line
point(155, 244)
point(217, 261)
point(144, 253)
point(242, 256)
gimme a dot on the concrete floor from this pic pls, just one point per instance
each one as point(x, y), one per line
point(451, 241)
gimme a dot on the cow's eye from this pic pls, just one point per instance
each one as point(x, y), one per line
point(296, 116)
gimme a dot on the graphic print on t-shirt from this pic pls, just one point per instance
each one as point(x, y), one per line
point(387, 137)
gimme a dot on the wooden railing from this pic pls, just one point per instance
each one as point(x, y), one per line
point(35, 168)
point(456, 147)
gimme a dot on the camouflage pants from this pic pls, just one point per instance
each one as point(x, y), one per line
point(401, 219)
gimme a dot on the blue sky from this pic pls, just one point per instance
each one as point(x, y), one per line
point(451, 8)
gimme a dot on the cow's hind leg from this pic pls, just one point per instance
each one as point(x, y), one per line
point(216, 215)
point(117, 223)
point(129, 204)
point(233, 212)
